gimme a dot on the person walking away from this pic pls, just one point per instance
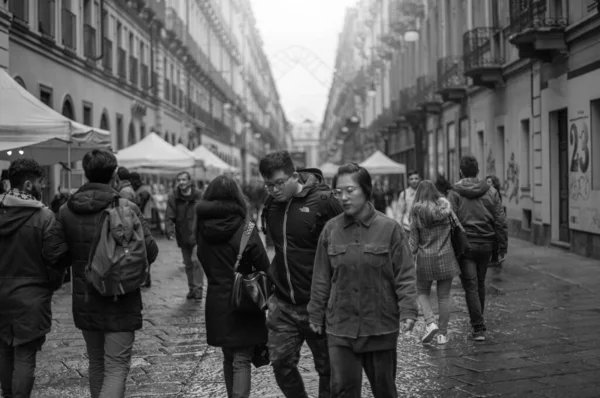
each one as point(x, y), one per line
point(26, 282)
point(479, 210)
point(431, 242)
point(494, 181)
point(379, 198)
point(298, 206)
point(108, 324)
point(406, 198)
point(363, 290)
point(181, 223)
point(125, 188)
point(222, 218)
point(144, 199)
point(442, 185)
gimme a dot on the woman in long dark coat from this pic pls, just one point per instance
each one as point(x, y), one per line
point(221, 219)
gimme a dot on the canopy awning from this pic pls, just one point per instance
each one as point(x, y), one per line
point(182, 148)
point(329, 170)
point(154, 153)
point(378, 164)
point(212, 160)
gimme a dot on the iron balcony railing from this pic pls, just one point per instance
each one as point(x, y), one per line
point(479, 52)
point(46, 12)
point(122, 63)
point(19, 10)
point(144, 82)
point(532, 14)
point(69, 24)
point(89, 41)
point(133, 70)
point(450, 73)
point(107, 60)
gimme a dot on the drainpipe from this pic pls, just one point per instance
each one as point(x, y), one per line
point(99, 57)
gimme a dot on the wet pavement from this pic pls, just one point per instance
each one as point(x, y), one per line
point(543, 317)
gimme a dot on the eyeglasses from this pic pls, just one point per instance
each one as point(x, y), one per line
point(270, 186)
point(339, 193)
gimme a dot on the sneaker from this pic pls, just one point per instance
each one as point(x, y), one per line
point(430, 332)
point(441, 339)
point(478, 335)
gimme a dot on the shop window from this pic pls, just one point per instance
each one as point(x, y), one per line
point(592, 139)
point(481, 149)
point(120, 135)
point(441, 159)
point(452, 153)
point(500, 153)
point(525, 174)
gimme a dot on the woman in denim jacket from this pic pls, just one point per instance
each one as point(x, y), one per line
point(430, 240)
point(363, 289)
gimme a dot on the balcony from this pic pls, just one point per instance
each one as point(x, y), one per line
point(174, 25)
point(156, 7)
point(89, 42)
point(107, 60)
point(451, 81)
point(46, 20)
point(482, 60)
point(408, 104)
point(133, 70)
point(69, 26)
point(144, 82)
point(537, 32)
point(19, 11)
point(122, 64)
point(427, 98)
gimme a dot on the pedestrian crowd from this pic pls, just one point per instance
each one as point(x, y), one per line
point(346, 278)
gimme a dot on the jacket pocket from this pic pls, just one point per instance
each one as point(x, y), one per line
point(337, 255)
point(377, 255)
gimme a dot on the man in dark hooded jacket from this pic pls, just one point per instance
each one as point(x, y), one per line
point(26, 281)
point(480, 212)
point(108, 324)
point(298, 207)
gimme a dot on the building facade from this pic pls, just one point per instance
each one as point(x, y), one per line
point(305, 136)
point(192, 71)
point(510, 82)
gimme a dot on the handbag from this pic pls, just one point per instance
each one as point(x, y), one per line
point(460, 242)
point(261, 355)
point(250, 292)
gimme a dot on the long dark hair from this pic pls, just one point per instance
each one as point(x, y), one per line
point(427, 198)
point(225, 188)
point(495, 182)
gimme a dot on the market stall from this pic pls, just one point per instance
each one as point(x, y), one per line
point(154, 155)
point(214, 165)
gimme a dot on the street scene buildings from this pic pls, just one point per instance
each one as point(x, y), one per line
point(511, 82)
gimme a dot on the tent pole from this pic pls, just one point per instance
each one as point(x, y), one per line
point(69, 163)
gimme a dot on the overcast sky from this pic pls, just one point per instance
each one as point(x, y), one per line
point(313, 25)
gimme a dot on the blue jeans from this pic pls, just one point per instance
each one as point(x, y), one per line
point(473, 268)
point(443, 292)
point(17, 368)
point(237, 369)
point(347, 369)
point(109, 362)
point(193, 269)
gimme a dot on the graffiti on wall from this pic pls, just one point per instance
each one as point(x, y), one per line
point(511, 183)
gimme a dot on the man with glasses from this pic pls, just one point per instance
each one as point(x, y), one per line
point(298, 207)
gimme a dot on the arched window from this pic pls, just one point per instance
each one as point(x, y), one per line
point(131, 135)
point(19, 80)
point(104, 125)
point(67, 108)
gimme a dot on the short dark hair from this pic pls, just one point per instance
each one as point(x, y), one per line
point(469, 166)
point(189, 176)
point(135, 176)
point(412, 173)
point(224, 188)
point(275, 161)
point(123, 174)
point(23, 169)
point(361, 176)
point(99, 166)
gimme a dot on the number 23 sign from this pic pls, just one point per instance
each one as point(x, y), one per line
point(579, 140)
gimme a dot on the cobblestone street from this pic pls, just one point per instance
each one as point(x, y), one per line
point(543, 320)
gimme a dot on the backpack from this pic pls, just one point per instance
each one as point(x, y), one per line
point(118, 263)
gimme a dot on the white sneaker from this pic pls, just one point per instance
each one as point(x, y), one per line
point(430, 332)
point(441, 339)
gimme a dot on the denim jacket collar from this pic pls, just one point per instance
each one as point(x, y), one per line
point(365, 220)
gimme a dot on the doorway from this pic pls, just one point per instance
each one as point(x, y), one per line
point(564, 233)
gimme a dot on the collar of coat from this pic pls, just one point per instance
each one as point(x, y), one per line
point(366, 219)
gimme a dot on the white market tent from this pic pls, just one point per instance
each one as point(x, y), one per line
point(29, 128)
point(153, 154)
point(198, 169)
point(329, 169)
point(379, 164)
point(213, 161)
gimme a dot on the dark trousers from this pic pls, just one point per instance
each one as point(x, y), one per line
point(237, 369)
point(473, 267)
point(347, 367)
point(17, 368)
point(288, 329)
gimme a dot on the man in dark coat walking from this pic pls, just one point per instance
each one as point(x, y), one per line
point(181, 223)
point(108, 324)
point(26, 281)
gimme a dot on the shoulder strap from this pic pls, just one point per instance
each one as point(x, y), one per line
point(324, 202)
point(248, 228)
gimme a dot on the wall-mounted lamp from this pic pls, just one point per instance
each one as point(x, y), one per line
point(9, 153)
point(345, 129)
point(21, 152)
point(411, 36)
point(354, 119)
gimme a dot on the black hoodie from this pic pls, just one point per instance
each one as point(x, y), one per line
point(480, 211)
point(295, 227)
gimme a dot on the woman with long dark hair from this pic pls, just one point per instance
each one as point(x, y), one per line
point(222, 218)
point(430, 240)
point(363, 289)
